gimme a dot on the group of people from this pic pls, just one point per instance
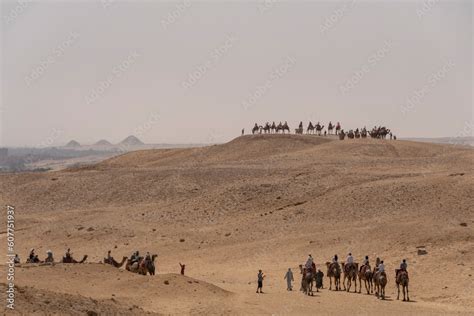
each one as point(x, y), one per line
point(34, 258)
point(310, 266)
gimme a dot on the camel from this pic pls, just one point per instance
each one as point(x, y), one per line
point(256, 129)
point(350, 273)
point(334, 271)
point(330, 128)
point(319, 128)
point(149, 265)
point(273, 127)
point(299, 131)
point(363, 134)
point(267, 128)
point(116, 264)
point(70, 259)
point(350, 134)
point(366, 275)
point(142, 266)
point(307, 282)
point(402, 279)
point(283, 128)
point(338, 128)
point(380, 281)
point(310, 129)
point(357, 133)
point(342, 135)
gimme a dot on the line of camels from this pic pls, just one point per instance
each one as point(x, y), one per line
point(380, 132)
point(142, 265)
point(373, 280)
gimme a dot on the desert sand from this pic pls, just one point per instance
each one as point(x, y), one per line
point(257, 202)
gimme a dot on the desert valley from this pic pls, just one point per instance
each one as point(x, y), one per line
point(256, 202)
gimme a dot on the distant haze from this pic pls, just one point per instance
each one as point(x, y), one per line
point(199, 72)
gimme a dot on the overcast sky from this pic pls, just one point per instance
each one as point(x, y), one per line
point(200, 71)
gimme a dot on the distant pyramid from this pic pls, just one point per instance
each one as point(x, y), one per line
point(131, 141)
point(103, 142)
point(73, 143)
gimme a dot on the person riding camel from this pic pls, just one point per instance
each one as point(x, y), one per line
point(309, 264)
point(148, 257)
point(68, 254)
point(49, 256)
point(334, 259)
point(381, 267)
point(349, 261)
point(364, 263)
point(135, 257)
point(16, 260)
point(32, 254)
point(301, 125)
point(403, 267)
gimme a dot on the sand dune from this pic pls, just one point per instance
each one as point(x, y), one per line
point(262, 201)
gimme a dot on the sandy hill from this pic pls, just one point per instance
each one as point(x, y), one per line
point(131, 141)
point(73, 143)
point(262, 201)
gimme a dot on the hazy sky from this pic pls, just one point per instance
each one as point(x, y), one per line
point(200, 71)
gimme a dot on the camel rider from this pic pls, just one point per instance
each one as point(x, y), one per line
point(109, 256)
point(301, 125)
point(49, 256)
point(68, 253)
point(334, 259)
point(16, 260)
point(309, 263)
point(350, 259)
point(32, 254)
point(135, 256)
point(403, 265)
point(148, 257)
point(381, 267)
point(364, 263)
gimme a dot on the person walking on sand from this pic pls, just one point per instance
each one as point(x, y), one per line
point(289, 278)
point(260, 277)
point(183, 266)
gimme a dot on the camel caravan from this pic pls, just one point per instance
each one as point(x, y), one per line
point(375, 280)
point(137, 264)
point(380, 132)
point(33, 258)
